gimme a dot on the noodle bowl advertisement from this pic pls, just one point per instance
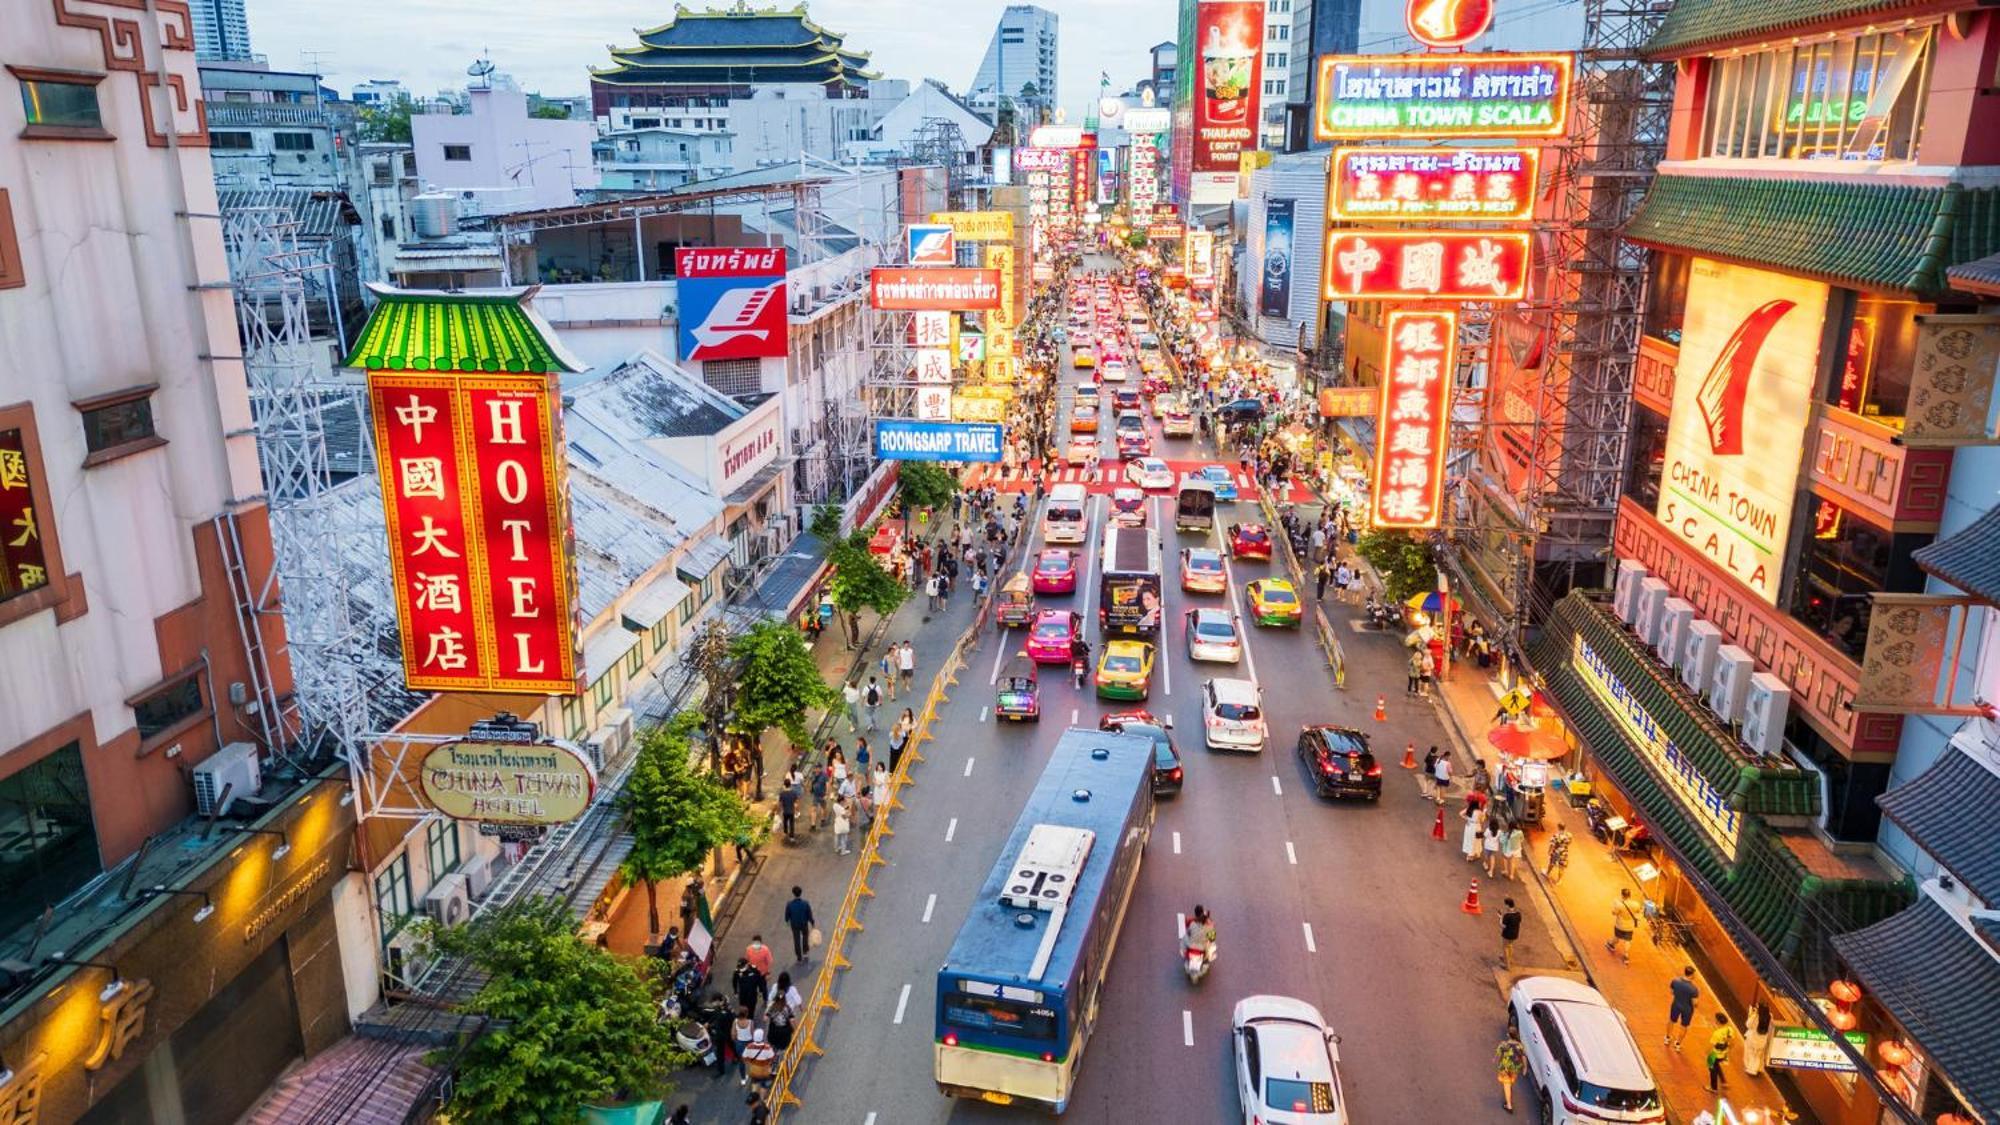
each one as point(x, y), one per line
point(1229, 38)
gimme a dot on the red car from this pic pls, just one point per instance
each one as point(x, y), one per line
point(1249, 541)
point(1133, 444)
point(1050, 636)
point(1055, 572)
point(1154, 384)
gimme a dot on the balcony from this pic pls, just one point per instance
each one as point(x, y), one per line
point(1653, 374)
point(1862, 464)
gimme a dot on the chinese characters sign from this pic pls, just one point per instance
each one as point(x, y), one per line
point(472, 487)
point(1227, 81)
point(732, 302)
point(1200, 255)
point(1430, 184)
point(23, 566)
point(1441, 96)
point(1410, 434)
point(1426, 265)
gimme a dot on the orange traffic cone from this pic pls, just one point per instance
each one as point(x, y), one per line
point(1471, 903)
point(1437, 829)
point(1410, 756)
point(1381, 708)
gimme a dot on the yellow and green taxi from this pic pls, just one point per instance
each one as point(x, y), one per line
point(1273, 601)
point(1125, 670)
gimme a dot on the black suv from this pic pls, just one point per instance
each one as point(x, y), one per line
point(1340, 762)
point(1166, 759)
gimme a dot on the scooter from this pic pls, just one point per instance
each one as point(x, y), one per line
point(690, 1034)
point(1195, 962)
point(1382, 615)
point(1077, 670)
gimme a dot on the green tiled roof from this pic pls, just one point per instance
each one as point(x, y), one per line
point(494, 332)
point(1884, 237)
point(1692, 24)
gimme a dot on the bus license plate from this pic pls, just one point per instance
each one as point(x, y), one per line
point(996, 1098)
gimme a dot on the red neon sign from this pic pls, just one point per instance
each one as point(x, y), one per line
point(472, 490)
point(941, 288)
point(1433, 96)
point(1410, 435)
point(1426, 265)
point(1434, 184)
point(1447, 23)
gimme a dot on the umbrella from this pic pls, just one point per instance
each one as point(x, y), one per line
point(1432, 602)
point(1540, 743)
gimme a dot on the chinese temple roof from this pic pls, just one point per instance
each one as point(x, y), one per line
point(1969, 559)
point(493, 331)
point(1693, 26)
point(1981, 277)
point(1893, 238)
point(736, 45)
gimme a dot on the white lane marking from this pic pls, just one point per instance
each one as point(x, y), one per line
point(1275, 787)
point(1166, 659)
point(930, 904)
point(982, 718)
point(1089, 537)
point(951, 829)
point(999, 654)
point(1177, 843)
point(1074, 714)
point(1291, 856)
point(1187, 1027)
point(903, 1001)
point(1311, 947)
point(1244, 626)
point(968, 767)
point(1180, 927)
point(868, 1120)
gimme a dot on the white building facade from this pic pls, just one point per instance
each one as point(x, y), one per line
point(498, 159)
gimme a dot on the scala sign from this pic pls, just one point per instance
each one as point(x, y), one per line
point(1410, 426)
point(537, 783)
point(1426, 265)
point(1371, 96)
point(1447, 23)
point(1430, 184)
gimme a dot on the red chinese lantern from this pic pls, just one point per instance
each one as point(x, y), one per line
point(1842, 1019)
point(1844, 991)
point(1894, 1053)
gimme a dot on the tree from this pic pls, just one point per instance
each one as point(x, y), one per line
point(826, 522)
point(859, 581)
point(390, 122)
point(1136, 240)
point(777, 682)
point(710, 656)
point(550, 111)
point(676, 814)
point(925, 485)
point(569, 1024)
point(1403, 561)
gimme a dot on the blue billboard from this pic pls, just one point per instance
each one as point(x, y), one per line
point(901, 439)
point(1274, 298)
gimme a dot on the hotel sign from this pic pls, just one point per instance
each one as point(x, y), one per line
point(495, 782)
point(1410, 427)
point(1706, 805)
point(1431, 184)
point(1433, 96)
point(1371, 265)
point(1808, 1048)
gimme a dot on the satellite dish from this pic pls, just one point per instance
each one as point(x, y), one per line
point(480, 69)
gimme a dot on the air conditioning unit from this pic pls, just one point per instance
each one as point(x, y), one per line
point(405, 959)
point(1764, 707)
point(235, 768)
point(450, 900)
point(1048, 867)
point(1675, 617)
point(478, 872)
point(1653, 593)
point(1698, 649)
point(1625, 591)
point(1729, 682)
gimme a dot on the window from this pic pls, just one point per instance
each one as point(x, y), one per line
point(733, 376)
point(45, 812)
point(1666, 296)
point(601, 691)
point(24, 555)
point(441, 847)
point(1881, 348)
point(117, 424)
point(635, 660)
point(60, 103)
point(572, 717)
point(388, 225)
point(12, 276)
point(662, 635)
point(708, 587)
point(392, 895)
point(295, 142)
point(687, 608)
point(1857, 98)
point(231, 140)
point(1649, 457)
point(458, 152)
point(166, 708)
point(1845, 559)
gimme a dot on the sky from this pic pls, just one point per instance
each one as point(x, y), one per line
point(547, 45)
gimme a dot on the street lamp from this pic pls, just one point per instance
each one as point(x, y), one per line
point(207, 904)
point(105, 994)
point(284, 847)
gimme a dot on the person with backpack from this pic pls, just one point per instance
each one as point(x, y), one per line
point(819, 791)
point(871, 698)
point(783, 1011)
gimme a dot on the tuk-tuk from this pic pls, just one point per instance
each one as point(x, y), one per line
point(1194, 506)
point(1016, 603)
point(1019, 696)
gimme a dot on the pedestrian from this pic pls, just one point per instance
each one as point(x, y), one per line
point(878, 780)
point(1443, 775)
point(1719, 1042)
point(1558, 855)
point(1426, 670)
point(758, 954)
point(1343, 577)
point(1416, 672)
point(843, 826)
point(1512, 847)
point(1509, 1060)
point(819, 791)
point(788, 807)
point(681, 1116)
point(836, 766)
point(717, 1020)
point(861, 756)
point(799, 916)
point(785, 996)
point(1756, 1038)
point(1510, 932)
point(872, 699)
point(748, 984)
point(740, 1033)
point(782, 1013)
point(1624, 922)
point(864, 807)
point(1490, 844)
point(852, 695)
point(1427, 777)
point(899, 736)
point(760, 1112)
point(1322, 574)
point(906, 663)
point(1469, 842)
point(1680, 1008)
point(759, 1059)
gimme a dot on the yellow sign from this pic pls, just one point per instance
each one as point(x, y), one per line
point(508, 782)
point(978, 226)
point(999, 367)
point(1742, 398)
point(1001, 258)
point(980, 404)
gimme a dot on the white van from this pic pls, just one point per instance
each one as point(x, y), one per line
point(1064, 520)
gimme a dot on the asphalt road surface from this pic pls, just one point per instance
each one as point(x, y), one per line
point(1349, 905)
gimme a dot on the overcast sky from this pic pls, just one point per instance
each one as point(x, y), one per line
point(548, 44)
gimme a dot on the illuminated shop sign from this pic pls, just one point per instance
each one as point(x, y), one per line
point(1366, 96)
point(538, 783)
point(935, 288)
point(1704, 803)
point(1040, 159)
point(1447, 23)
point(899, 439)
point(732, 302)
point(1228, 80)
point(978, 226)
point(1426, 265)
point(1200, 255)
point(1431, 184)
point(1410, 426)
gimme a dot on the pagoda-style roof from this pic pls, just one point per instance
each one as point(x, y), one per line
point(490, 331)
point(736, 45)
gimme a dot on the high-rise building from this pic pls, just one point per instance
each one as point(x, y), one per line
point(221, 30)
point(1318, 27)
point(1022, 51)
point(1278, 17)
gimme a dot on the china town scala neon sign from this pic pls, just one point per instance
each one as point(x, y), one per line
point(1375, 96)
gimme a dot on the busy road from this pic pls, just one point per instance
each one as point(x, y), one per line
point(1350, 905)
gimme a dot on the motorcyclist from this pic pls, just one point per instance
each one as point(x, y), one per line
point(1079, 657)
point(1200, 935)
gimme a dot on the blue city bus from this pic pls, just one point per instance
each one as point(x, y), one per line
point(1019, 994)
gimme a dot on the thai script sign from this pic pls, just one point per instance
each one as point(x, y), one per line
point(1370, 96)
point(732, 302)
point(1410, 426)
point(1426, 265)
point(936, 288)
point(1430, 184)
point(508, 782)
point(978, 226)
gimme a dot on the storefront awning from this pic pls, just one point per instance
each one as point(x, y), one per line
point(602, 652)
point(1952, 811)
point(758, 483)
point(702, 558)
point(1942, 983)
point(785, 586)
point(1968, 559)
point(653, 602)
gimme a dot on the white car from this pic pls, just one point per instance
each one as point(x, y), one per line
point(1112, 371)
point(1082, 451)
point(1581, 1055)
point(1287, 1063)
point(1232, 715)
point(1149, 472)
point(1212, 635)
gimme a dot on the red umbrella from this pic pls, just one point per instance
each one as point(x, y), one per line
point(1540, 743)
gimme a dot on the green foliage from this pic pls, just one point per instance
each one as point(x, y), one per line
point(859, 580)
point(676, 814)
point(1136, 240)
point(777, 682)
point(924, 485)
point(826, 522)
point(569, 1024)
point(390, 122)
point(1403, 561)
point(550, 111)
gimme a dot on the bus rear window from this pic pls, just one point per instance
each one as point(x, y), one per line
point(988, 1013)
point(1065, 514)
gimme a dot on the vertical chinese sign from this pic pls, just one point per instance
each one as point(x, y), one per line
point(1410, 431)
point(463, 394)
point(23, 566)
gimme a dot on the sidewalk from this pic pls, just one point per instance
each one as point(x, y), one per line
point(1583, 900)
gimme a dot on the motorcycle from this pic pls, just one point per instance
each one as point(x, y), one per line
point(690, 1034)
point(1382, 615)
point(1196, 962)
point(1078, 669)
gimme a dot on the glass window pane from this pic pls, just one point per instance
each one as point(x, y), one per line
point(49, 838)
point(1757, 142)
point(172, 704)
point(111, 426)
point(1833, 115)
point(72, 104)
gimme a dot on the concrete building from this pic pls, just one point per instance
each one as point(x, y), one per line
point(155, 965)
point(496, 158)
point(1022, 53)
point(778, 123)
point(1318, 27)
point(1278, 24)
point(221, 29)
point(656, 159)
point(930, 101)
point(271, 128)
point(377, 92)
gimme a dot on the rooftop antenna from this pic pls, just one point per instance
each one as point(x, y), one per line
point(481, 69)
